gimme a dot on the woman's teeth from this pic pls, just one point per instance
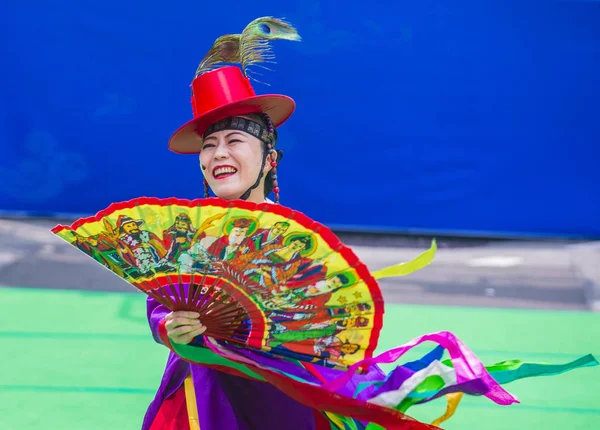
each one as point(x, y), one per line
point(221, 171)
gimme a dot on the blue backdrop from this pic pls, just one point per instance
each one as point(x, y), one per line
point(462, 116)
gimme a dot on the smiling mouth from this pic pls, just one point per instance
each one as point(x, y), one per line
point(223, 172)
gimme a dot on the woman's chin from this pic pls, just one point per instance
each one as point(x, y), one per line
point(228, 192)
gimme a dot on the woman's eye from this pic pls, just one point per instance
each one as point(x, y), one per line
point(231, 142)
point(208, 145)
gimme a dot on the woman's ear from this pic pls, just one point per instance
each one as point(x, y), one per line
point(272, 156)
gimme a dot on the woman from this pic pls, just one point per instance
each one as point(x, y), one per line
point(234, 131)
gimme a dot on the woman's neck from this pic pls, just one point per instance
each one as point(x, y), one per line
point(257, 195)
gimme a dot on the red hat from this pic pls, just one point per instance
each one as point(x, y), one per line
point(222, 93)
point(124, 219)
point(242, 223)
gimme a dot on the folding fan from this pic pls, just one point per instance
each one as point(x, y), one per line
point(260, 275)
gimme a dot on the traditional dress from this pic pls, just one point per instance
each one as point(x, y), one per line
point(219, 400)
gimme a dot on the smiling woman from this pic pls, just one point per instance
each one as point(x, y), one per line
point(234, 133)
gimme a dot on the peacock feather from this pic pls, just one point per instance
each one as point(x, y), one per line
point(251, 48)
point(255, 41)
point(226, 49)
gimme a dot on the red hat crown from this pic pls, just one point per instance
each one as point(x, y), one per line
point(219, 93)
point(220, 87)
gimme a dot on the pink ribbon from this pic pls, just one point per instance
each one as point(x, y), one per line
point(466, 364)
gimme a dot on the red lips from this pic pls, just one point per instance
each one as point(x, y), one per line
point(223, 171)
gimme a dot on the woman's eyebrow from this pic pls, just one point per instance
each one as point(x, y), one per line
point(234, 132)
point(228, 136)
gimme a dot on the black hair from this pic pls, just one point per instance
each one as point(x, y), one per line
point(305, 239)
point(265, 121)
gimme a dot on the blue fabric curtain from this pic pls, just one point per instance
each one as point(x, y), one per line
point(462, 116)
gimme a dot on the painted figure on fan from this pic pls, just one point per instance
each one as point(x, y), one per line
point(301, 331)
point(291, 320)
point(317, 339)
point(295, 294)
point(140, 248)
point(103, 248)
point(318, 323)
point(94, 245)
point(208, 248)
point(332, 347)
point(227, 247)
point(300, 335)
point(275, 264)
point(178, 238)
point(270, 236)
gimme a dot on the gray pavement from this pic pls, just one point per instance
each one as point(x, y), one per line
point(541, 274)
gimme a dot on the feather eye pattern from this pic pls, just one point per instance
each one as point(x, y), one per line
point(251, 48)
point(225, 50)
point(255, 41)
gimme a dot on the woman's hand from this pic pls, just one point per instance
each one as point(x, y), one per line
point(183, 326)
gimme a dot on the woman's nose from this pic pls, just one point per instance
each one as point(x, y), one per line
point(221, 151)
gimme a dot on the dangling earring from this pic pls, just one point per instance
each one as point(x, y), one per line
point(206, 189)
point(272, 152)
point(273, 155)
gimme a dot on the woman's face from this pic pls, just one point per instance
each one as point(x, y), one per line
point(231, 162)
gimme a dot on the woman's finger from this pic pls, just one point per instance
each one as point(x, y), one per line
point(186, 314)
point(181, 330)
point(177, 322)
point(181, 314)
point(188, 337)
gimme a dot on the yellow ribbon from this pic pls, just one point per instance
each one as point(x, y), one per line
point(404, 269)
point(190, 403)
point(453, 401)
point(339, 424)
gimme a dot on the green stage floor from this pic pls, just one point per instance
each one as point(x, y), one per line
point(86, 360)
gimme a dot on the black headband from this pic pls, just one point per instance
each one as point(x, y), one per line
point(241, 124)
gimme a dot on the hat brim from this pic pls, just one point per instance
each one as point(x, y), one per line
point(188, 138)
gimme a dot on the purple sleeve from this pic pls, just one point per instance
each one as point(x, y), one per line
point(156, 313)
